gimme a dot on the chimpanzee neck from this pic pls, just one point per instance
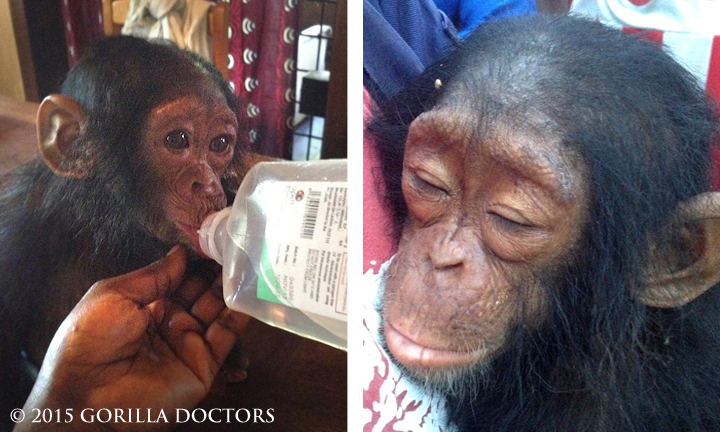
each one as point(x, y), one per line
point(558, 389)
point(85, 224)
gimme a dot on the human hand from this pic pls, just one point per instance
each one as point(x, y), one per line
point(129, 343)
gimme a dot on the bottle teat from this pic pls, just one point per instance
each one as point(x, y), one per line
point(212, 234)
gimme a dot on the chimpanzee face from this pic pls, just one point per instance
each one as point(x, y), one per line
point(187, 144)
point(492, 211)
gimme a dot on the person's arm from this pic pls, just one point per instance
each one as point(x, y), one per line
point(130, 344)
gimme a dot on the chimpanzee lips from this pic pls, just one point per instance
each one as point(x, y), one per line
point(417, 356)
point(191, 235)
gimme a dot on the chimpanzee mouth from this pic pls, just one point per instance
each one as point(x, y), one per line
point(417, 356)
point(190, 232)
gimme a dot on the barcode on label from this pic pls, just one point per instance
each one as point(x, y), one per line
point(312, 206)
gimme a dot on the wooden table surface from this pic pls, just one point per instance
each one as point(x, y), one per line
point(303, 382)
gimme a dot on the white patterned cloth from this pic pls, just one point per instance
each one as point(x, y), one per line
point(390, 401)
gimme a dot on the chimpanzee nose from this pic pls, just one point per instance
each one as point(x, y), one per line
point(446, 256)
point(451, 251)
point(206, 181)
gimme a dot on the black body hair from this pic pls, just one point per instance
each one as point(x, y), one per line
point(49, 223)
point(601, 361)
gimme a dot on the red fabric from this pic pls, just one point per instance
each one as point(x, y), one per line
point(83, 24)
point(262, 72)
point(713, 80)
point(650, 35)
point(713, 90)
point(377, 241)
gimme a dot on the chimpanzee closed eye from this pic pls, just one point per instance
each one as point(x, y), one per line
point(559, 245)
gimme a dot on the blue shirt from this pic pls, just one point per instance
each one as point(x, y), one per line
point(400, 39)
point(467, 14)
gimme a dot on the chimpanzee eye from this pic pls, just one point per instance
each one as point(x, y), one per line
point(220, 144)
point(508, 223)
point(177, 140)
point(425, 186)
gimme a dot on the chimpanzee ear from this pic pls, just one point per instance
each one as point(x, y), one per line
point(60, 121)
point(701, 240)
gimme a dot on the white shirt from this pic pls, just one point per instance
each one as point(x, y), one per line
point(688, 28)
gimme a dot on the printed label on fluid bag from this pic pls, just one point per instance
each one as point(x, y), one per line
point(304, 257)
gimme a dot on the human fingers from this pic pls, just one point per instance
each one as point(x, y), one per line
point(149, 283)
point(203, 352)
point(223, 333)
point(209, 304)
point(183, 334)
point(190, 290)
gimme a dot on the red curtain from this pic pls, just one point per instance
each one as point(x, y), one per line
point(83, 24)
point(262, 71)
point(261, 63)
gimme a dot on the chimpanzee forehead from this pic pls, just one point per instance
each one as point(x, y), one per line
point(460, 138)
point(197, 85)
point(193, 107)
point(198, 109)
